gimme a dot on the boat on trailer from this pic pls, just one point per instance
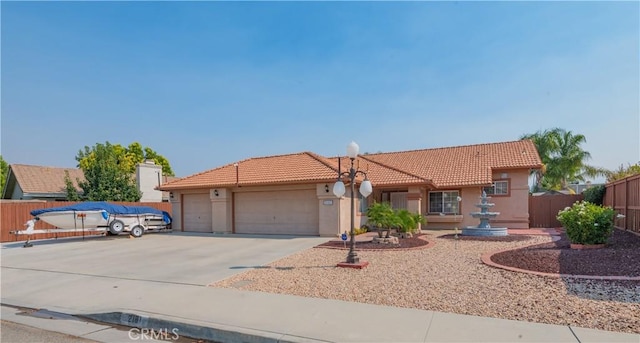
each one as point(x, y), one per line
point(100, 216)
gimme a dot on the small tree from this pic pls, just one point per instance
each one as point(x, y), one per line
point(70, 188)
point(4, 171)
point(383, 218)
point(105, 178)
point(126, 157)
point(409, 222)
point(595, 194)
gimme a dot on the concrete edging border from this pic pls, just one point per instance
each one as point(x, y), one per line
point(486, 259)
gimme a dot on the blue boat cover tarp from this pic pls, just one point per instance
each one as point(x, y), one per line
point(105, 206)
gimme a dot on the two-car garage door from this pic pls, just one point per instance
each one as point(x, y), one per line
point(292, 212)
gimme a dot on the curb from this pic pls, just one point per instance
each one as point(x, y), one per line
point(210, 332)
point(486, 259)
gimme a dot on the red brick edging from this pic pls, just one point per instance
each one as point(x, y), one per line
point(486, 259)
point(430, 243)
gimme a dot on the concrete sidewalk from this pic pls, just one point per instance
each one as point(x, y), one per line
point(229, 315)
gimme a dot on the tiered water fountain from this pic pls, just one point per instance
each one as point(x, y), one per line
point(484, 228)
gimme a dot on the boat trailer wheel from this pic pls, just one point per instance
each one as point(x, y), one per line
point(137, 231)
point(116, 226)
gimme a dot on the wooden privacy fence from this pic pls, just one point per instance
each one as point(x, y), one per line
point(624, 197)
point(543, 209)
point(14, 214)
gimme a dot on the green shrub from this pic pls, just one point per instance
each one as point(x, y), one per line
point(360, 230)
point(595, 194)
point(408, 222)
point(382, 218)
point(587, 223)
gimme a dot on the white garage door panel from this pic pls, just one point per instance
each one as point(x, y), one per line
point(197, 212)
point(279, 212)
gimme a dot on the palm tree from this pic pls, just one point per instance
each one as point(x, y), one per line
point(546, 143)
point(563, 158)
point(567, 161)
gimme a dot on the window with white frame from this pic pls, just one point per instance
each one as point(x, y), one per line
point(444, 202)
point(500, 187)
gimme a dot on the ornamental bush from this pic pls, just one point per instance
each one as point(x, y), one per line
point(587, 223)
point(594, 194)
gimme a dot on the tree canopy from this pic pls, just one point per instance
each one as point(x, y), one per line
point(109, 172)
point(623, 172)
point(4, 170)
point(126, 157)
point(563, 158)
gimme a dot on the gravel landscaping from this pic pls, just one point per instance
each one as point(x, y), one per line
point(450, 277)
point(621, 257)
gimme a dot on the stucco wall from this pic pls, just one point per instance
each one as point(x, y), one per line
point(514, 208)
point(148, 176)
point(335, 217)
point(221, 210)
point(333, 212)
point(329, 210)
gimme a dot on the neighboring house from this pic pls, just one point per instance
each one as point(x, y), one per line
point(578, 188)
point(572, 189)
point(291, 194)
point(29, 182)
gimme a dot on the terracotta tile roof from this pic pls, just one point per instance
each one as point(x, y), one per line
point(462, 165)
point(381, 175)
point(441, 167)
point(41, 180)
point(293, 168)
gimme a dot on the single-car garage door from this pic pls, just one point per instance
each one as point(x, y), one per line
point(197, 212)
point(292, 212)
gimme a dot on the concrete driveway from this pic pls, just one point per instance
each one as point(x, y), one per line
point(180, 258)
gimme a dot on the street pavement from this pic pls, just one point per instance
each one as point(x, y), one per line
point(13, 332)
point(160, 281)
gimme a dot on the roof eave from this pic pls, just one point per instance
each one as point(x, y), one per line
point(44, 195)
point(246, 184)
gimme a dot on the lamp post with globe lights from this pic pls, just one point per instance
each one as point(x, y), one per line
point(339, 189)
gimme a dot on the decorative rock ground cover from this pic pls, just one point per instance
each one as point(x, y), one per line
point(449, 276)
point(619, 257)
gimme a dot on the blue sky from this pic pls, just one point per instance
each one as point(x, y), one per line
point(210, 83)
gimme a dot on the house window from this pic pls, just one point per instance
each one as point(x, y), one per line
point(500, 187)
point(444, 202)
point(364, 204)
point(398, 200)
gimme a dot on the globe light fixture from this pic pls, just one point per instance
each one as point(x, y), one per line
point(339, 189)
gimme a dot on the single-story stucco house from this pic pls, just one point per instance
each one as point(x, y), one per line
point(292, 194)
point(32, 182)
